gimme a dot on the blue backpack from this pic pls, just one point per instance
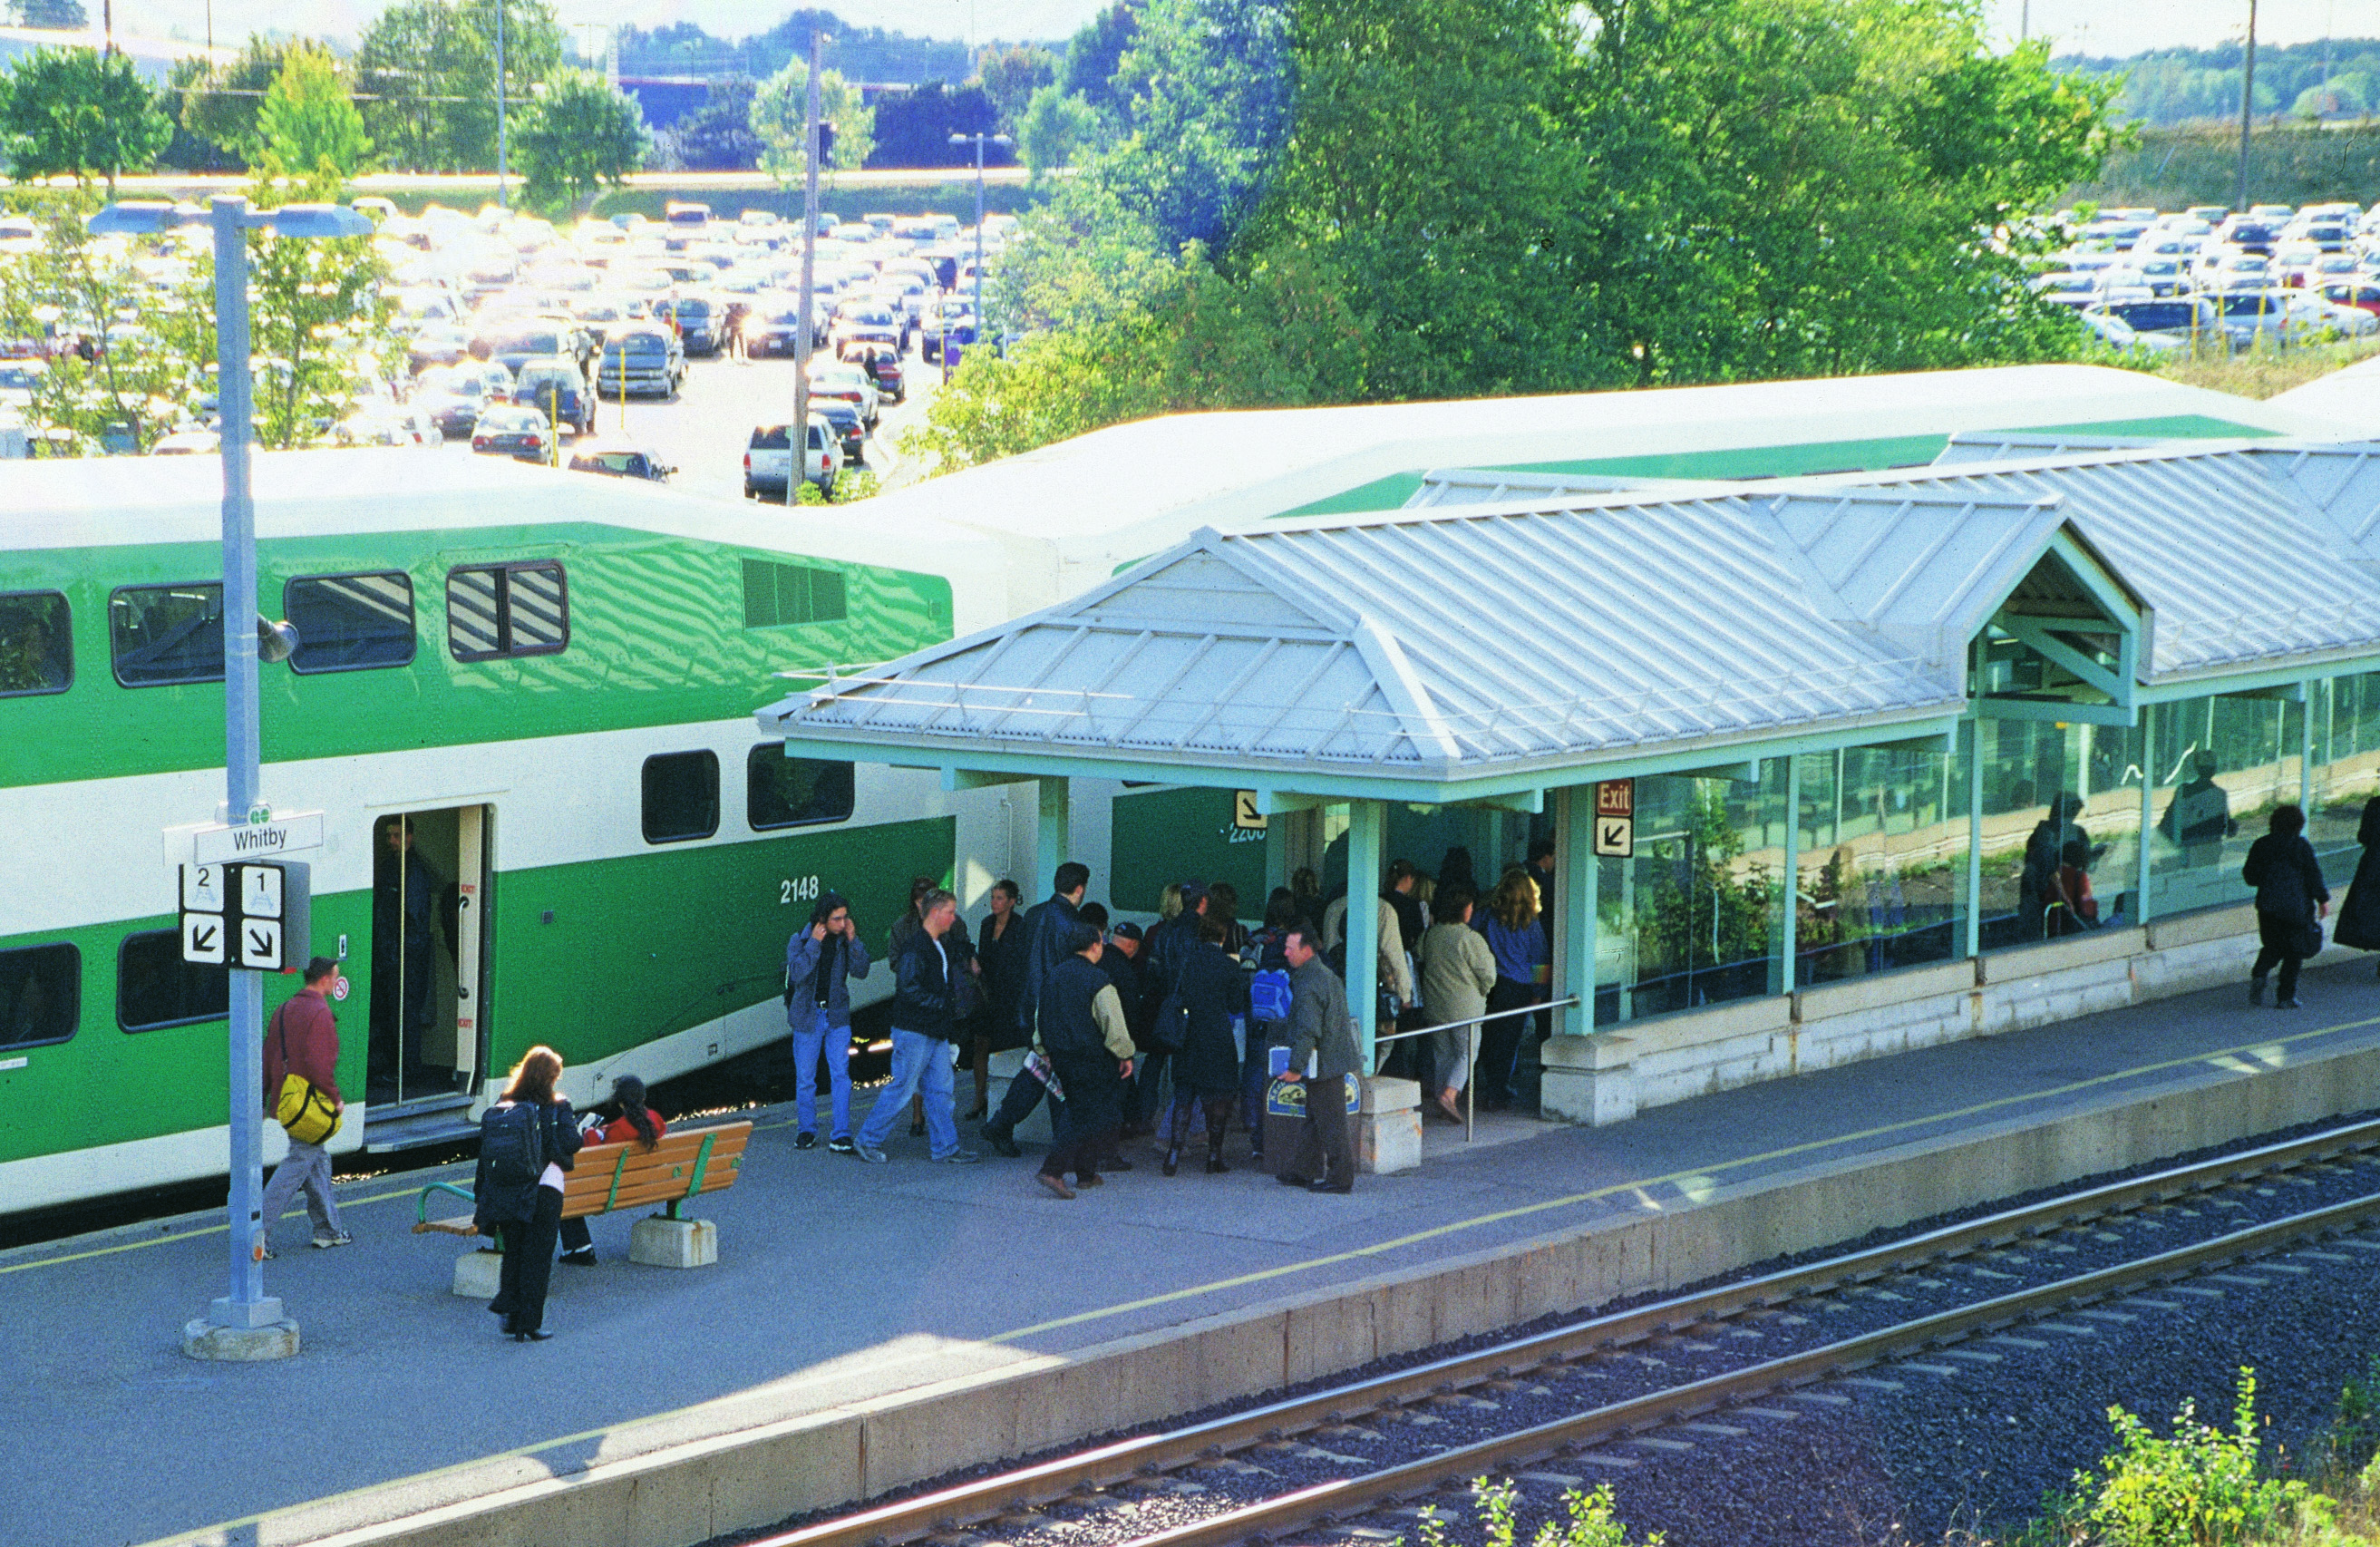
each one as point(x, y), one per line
point(1269, 995)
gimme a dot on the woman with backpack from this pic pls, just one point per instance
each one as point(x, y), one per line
point(637, 1124)
point(527, 1143)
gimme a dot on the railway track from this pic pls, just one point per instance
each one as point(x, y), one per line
point(1011, 1499)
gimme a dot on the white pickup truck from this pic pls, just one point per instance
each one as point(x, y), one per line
point(768, 459)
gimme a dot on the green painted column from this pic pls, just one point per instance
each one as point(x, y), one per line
point(1054, 841)
point(1789, 928)
point(1974, 838)
point(1365, 822)
point(1574, 862)
point(2148, 819)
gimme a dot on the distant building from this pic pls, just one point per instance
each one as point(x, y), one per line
point(153, 57)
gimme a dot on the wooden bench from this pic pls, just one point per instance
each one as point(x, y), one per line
point(608, 1178)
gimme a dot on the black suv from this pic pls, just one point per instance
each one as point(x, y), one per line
point(701, 324)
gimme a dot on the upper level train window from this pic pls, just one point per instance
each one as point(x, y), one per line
point(351, 622)
point(40, 995)
point(502, 610)
point(155, 988)
point(36, 647)
point(778, 594)
point(166, 634)
point(681, 796)
point(793, 792)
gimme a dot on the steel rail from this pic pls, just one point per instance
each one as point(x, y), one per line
point(1107, 1465)
point(1336, 1499)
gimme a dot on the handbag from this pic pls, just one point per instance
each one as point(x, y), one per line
point(2310, 937)
point(301, 1109)
point(1170, 1033)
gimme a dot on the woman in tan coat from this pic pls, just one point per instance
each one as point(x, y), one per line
point(1457, 971)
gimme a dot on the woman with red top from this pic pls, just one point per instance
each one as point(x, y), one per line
point(637, 1124)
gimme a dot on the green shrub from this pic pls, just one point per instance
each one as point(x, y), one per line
point(2197, 1489)
point(1587, 1520)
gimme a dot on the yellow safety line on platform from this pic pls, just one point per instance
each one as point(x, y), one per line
point(200, 1534)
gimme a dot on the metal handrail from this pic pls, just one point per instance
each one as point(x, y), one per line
point(1470, 1086)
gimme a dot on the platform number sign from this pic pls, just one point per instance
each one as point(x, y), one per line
point(1615, 817)
point(1247, 814)
point(252, 916)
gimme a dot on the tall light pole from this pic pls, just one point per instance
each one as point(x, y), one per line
point(2247, 105)
point(980, 140)
point(797, 438)
point(502, 202)
point(245, 1323)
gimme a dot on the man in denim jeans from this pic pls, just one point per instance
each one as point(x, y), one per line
point(925, 1040)
point(820, 960)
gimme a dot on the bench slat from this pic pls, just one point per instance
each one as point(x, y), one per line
point(607, 1178)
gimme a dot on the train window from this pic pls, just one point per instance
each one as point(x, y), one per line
point(349, 623)
point(793, 792)
point(166, 634)
point(681, 796)
point(498, 611)
point(776, 595)
point(155, 988)
point(40, 995)
point(36, 646)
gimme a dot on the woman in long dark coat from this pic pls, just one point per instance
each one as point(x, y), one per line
point(2359, 916)
point(1000, 954)
point(2290, 898)
point(1213, 989)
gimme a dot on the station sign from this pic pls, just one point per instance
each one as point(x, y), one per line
point(1615, 817)
point(1248, 816)
point(266, 839)
point(256, 916)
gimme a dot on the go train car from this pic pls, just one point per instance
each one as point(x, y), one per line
point(522, 700)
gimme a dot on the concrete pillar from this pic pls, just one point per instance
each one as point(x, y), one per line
point(1365, 821)
point(1574, 934)
point(1051, 845)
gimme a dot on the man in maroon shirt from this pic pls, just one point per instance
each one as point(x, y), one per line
point(304, 1040)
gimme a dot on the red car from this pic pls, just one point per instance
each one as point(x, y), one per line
point(882, 361)
point(2365, 294)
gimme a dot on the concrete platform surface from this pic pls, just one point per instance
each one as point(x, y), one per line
point(839, 1283)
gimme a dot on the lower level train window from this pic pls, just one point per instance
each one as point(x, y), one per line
point(40, 995)
point(795, 792)
point(158, 635)
point(36, 647)
point(154, 987)
point(681, 796)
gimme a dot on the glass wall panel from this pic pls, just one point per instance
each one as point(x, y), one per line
point(2062, 828)
point(1883, 862)
point(2346, 770)
point(2221, 765)
point(1692, 920)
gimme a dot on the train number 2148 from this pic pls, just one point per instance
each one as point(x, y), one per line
point(800, 889)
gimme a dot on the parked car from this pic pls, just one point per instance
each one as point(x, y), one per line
point(559, 388)
point(850, 430)
point(2364, 294)
point(618, 459)
point(768, 464)
point(517, 340)
point(701, 322)
point(773, 328)
point(642, 361)
point(512, 430)
point(883, 361)
point(854, 386)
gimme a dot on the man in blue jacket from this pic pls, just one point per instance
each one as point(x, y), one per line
point(821, 961)
point(925, 1039)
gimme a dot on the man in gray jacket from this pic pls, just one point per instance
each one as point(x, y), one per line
point(1323, 1031)
point(820, 960)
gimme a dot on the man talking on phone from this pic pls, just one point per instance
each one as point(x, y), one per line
point(820, 960)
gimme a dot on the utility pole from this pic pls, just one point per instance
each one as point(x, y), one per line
point(980, 140)
point(502, 203)
point(797, 438)
point(2247, 105)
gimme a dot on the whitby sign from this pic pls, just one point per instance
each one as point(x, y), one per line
point(268, 839)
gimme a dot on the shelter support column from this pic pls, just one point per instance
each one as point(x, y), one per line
point(1974, 838)
point(2305, 752)
point(2148, 819)
point(1789, 927)
point(1587, 1076)
point(1388, 1128)
point(1053, 840)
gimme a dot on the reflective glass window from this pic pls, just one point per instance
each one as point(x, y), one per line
point(351, 622)
point(161, 635)
point(795, 792)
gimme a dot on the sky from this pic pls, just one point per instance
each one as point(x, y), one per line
point(2111, 27)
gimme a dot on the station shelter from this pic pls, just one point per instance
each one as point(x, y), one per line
point(1789, 737)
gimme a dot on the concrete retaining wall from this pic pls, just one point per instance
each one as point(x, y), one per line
point(762, 1469)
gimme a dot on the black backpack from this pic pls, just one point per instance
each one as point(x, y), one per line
point(511, 1144)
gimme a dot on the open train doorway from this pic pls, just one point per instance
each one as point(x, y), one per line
point(427, 1038)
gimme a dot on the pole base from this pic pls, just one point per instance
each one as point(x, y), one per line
point(203, 1339)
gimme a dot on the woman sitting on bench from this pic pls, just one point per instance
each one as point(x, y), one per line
point(636, 1122)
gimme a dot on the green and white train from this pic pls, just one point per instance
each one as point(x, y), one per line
point(554, 677)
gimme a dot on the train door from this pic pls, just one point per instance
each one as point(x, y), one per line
point(428, 1040)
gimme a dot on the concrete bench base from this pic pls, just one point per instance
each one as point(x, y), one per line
point(477, 1273)
point(673, 1243)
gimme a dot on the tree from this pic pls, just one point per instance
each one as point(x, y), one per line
point(1209, 84)
point(780, 111)
point(428, 68)
point(1094, 52)
point(218, 103)
point(60, 15)
point(717, 137)
point(1010, 76)
point(580, 133)
point(118, 391)
point(1056, 125)
point(76, 111)
point(914, 127)
point(308, 119)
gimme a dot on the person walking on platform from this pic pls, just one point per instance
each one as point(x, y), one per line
point(1458, 973)
point(2359, 916)
point(637, 1124)
point(1324, 1034)
point(924, 1032)
point(527, 1140)
point(2290, 903)
point(1048, 925)
point(1082, 1030)
point(820, 960)
point(1209, 990)
point(304, 1040)
point(1169, 945)
point(1519, 949)
point(999, 961)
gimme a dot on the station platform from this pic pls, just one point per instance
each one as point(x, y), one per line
point(867, 1327)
